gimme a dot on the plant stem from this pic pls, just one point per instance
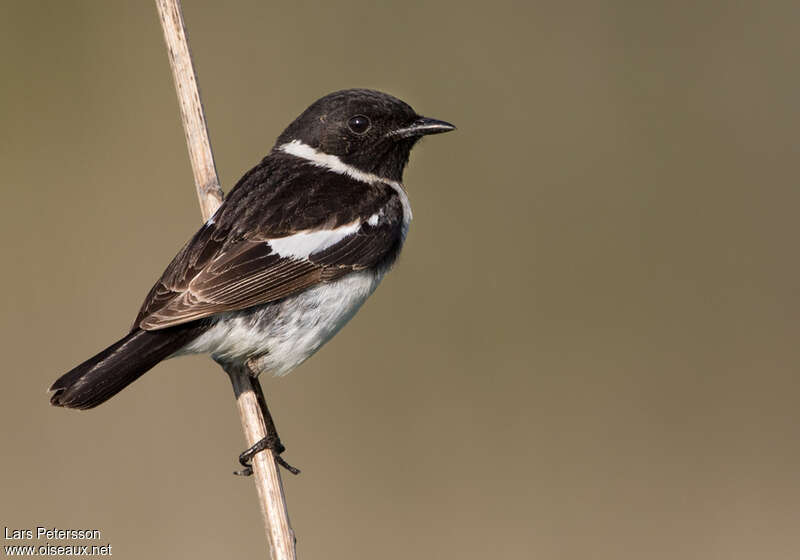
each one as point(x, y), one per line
point(265, 470)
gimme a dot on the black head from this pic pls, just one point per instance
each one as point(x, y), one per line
point(367, 129)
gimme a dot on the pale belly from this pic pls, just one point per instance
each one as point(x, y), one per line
point(278, 337)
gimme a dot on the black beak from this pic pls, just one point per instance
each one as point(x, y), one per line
point(423, 126)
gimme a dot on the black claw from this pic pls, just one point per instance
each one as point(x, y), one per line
point(287, 466)
point(271, 442)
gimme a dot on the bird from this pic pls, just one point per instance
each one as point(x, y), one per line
point(289, 257)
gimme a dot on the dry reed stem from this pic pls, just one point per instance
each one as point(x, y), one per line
point(265, 470)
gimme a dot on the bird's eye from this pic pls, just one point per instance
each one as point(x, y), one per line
point(359, 124)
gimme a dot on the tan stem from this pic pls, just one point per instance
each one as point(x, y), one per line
point(194, 122)
point(265, 470)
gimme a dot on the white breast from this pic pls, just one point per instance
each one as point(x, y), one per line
point(277, 337)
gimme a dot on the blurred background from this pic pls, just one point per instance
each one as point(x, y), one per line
point(587, 350)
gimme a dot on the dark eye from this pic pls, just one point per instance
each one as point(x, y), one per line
point(359, 124)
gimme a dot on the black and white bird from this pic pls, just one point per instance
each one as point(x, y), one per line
point(295, 249)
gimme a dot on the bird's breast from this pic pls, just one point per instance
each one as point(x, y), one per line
point(277, 337)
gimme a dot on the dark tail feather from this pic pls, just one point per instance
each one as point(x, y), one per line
point(99, 378)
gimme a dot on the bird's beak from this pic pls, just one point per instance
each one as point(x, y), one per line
point(421, 127)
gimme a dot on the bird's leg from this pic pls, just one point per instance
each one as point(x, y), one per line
point(272, 441)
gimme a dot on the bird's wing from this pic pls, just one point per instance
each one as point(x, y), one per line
point(216, 272)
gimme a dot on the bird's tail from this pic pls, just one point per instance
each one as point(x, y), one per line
point(101, 377)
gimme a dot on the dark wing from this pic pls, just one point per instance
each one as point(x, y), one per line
point(249, 274)
point(219, 271)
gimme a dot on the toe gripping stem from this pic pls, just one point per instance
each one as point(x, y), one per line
point(272, 443)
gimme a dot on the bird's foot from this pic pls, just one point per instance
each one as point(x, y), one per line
point(271, 442)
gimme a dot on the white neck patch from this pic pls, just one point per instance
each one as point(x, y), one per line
point(333, 163)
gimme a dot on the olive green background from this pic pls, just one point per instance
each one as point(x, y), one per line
point(587, 350)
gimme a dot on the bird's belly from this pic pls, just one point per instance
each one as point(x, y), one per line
point(279, 336)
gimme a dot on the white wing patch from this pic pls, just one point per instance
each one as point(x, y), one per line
point(376, 217)
point(302, 244)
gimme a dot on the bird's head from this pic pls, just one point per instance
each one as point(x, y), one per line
point(369, 130)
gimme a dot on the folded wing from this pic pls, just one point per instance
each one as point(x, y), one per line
point(216, 272)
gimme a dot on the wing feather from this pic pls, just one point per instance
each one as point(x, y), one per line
point(217, 272)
